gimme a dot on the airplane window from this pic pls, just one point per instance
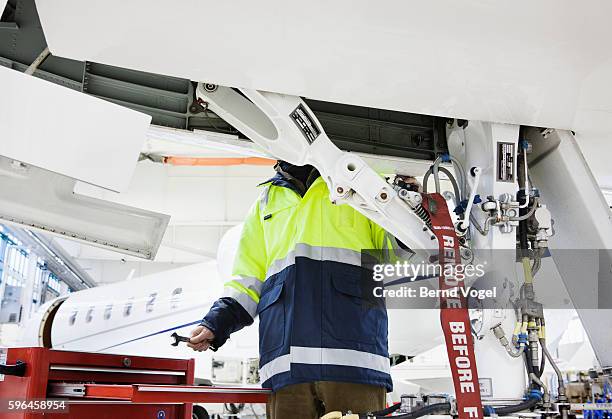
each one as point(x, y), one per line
point(72, 318)
point(127, 310)
point(89, 315)
point(176, 298)
point(151, 301)
point(108, 311)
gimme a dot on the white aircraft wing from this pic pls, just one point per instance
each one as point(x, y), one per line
point(543, 63)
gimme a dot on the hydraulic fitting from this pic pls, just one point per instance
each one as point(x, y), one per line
point(498, 332)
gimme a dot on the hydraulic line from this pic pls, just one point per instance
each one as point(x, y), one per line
point(461, 175)
point(388, 410)
point(561, 384)
point(526, 178)
point(526, 358)
point(526, 215)
point(436, 176)
point(453, 181)
point(456, 189)
point(537, 261)
point(498, 331)
point(539, 382)
point(476, 224)
point(487, 224)
point(450, 177)
point(437, 408)
point(458, 169)
point(535, 396)
point(543, 360)
point(522, 233)
point(515, 353)
point(542, 335)
point(506, 410)
point(533, 346)
point(527, 271)
point(522, 228)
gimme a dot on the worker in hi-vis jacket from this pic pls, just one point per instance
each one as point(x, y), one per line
point(298, 267)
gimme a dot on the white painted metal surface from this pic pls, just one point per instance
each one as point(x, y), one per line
point(164, 141)
point(544, 63)
point(583, 221)
point(284, 126)
point(595, 143)
point(38, 199)
point(478, 146)
point(68, 132)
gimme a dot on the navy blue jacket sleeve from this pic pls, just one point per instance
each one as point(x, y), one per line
point(225, 317)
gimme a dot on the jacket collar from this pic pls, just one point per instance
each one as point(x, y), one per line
point(279, 180)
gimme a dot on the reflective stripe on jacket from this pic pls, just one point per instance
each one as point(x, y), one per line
point(298, 267)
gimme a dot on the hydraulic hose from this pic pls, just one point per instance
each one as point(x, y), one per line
point(506, 410)
point(542, 339)
point(537, 261)
point(498, 332)
point(527, 271)
point(523, 199)
point(476, 224)
point(526, 214)
point(526, 357)
point(435, 169)
point(450, 177)
point(387, 411)
point(462, 177)
point(443, 408)
point(542, 362)
point(526, 180)
point(534, 377)
point(547, 354)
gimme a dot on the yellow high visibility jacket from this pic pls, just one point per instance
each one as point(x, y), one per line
point(298, 267)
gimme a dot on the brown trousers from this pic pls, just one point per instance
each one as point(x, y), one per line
point(313, 400)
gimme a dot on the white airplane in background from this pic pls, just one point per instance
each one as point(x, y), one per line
point(137, 317)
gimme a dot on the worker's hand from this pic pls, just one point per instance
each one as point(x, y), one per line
point(411, 183)
point(201, 337)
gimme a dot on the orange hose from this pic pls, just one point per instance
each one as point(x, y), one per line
point(218, 161)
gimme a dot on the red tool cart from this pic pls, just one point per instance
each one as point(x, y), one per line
point(105, 386)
